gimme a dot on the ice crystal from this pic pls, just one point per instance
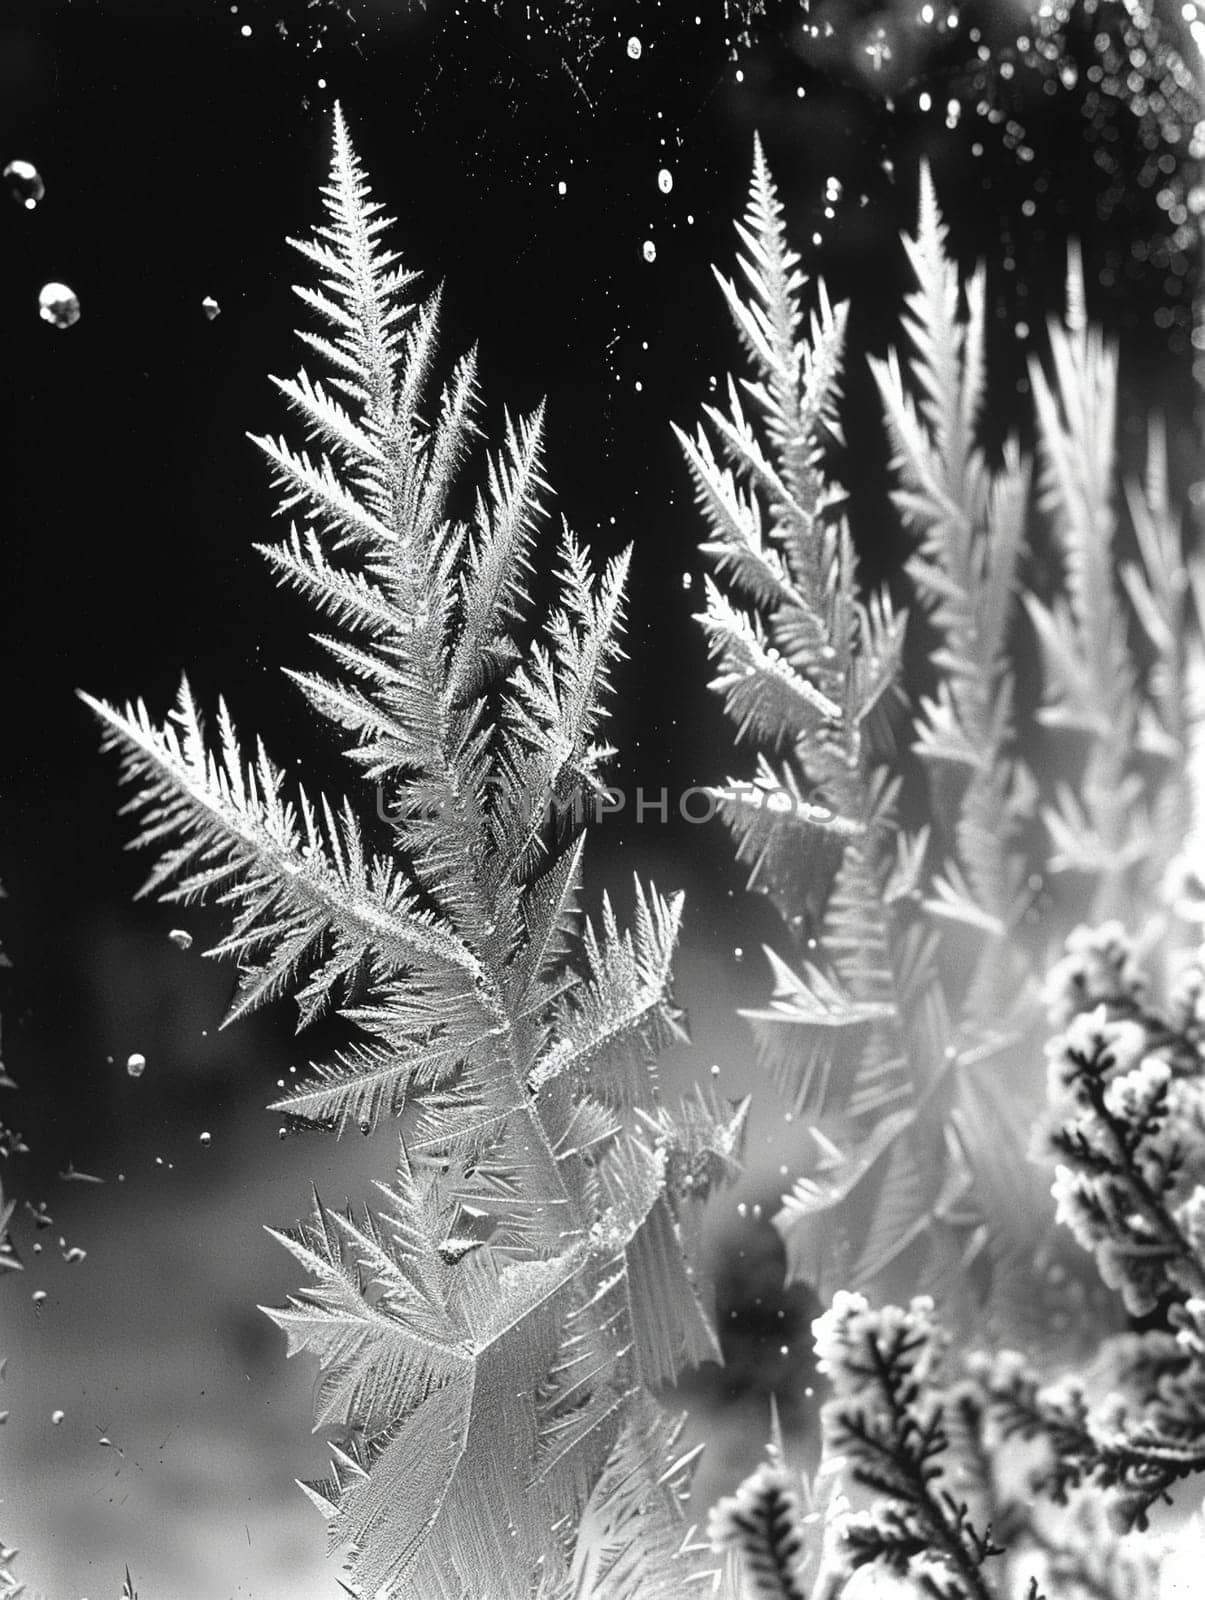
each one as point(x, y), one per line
point(488, 1337)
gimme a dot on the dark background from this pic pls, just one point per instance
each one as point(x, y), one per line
point(178, 154)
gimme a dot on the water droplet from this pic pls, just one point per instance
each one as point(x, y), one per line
point(181, 939)
point(39, 1298)
point(635, 48)
point(687, 580)
point(206, 1138)
point(57, 1416)
point(25, 182)
point(562, 187)
point(136, 1065)
point(649, 250)
point(715, 1069)
point(665, 180)
point(211, 309)
point(58, 305)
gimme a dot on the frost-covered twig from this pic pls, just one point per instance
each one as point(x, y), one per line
point(888, 1418)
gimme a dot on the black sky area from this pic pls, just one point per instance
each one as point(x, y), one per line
point(179, 154)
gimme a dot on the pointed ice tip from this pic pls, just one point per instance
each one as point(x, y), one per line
point(926, 192)
point(776, 1449)
point(1077, 311)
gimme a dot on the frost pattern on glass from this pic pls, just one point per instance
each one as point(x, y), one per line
point(488, 1339)
point(869, 1013)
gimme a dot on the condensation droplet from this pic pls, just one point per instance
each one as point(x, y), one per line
point(25, 182)
point(57, 1416)
point(211, 308)
point(665, 180)
point(635, 48)
point(181, 939)
point(39, 1298)
point(58, 305)
point(206, 1138)
point(562, 187)
point(649, 250)
point(136, 1065)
